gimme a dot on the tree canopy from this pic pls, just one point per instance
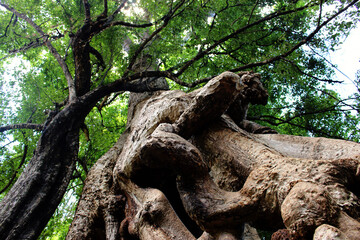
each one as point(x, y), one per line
point(54, 53)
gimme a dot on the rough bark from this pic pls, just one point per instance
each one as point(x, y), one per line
point(28, 206)
point(95, 214)
point(30, 203)
point(185, 146)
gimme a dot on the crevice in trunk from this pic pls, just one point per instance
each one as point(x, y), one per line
point(155, 178)
point(99, 229)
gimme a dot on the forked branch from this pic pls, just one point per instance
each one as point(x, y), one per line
point(298, 45)
point(52, 49)
point(167, 19)
point(201, 54)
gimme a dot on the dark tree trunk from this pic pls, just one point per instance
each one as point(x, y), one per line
point(26, 209)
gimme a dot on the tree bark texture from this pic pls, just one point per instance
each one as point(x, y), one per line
point(184, 169)
point(30, 203)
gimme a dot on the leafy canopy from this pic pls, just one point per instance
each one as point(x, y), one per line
point(188, 40)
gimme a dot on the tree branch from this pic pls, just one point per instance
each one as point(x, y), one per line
point(33, 44)
point(16, 171)
point(104, 22)
point(332, 65)
point(309, 75)
point(119, 8)
point(297, 46)
point(68, 15)
point(54, 52)
point(34, 126)
point(320, 12)
point(7, 27)
point(283, 121)
point(237, 32)
point(343, 101)
point(137, 82)
point(87, 10)
point(167, 19)
point(252, 11)
point(98, 56)
point(127, 24)
point(105, 12)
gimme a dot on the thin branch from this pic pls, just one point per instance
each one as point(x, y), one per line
point(34, 126)
point(54, 52)
point(8, 143)
point(33, 44)
point(241, 44)
point(282, 121)
point(309, 75)
point(105, 12)
point(78, 174)
point(87, 10)
point(318, 111)
point(16, 171)
point(110, 65)
point(343, 101)
point(252, 11)
point(320, 12)
point(23, 49)
point(127, 24)
point(106, 101)
point(67, 49)
point(119, 8)
point(65, 10)
point(297, 46)
point(201, 54)
point(167, 19)
point(333, 65)
point(104, 22)
point(7, 27)
point(98, 56)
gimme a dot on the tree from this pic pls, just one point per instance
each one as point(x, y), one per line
point(84, 54)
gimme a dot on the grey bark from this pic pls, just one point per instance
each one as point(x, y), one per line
point(30, 203)
point(185, 146)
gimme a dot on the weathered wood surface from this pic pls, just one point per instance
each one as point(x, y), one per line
point(185, 146)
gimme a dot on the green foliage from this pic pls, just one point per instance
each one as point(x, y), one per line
point(105, 127)
point(32, 82)
point(58, 225)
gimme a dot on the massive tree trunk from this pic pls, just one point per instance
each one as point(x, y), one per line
point(184, 169)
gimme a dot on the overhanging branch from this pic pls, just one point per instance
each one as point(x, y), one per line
point(122, 4)
point(278, 121)
point(54, 52)
point(309, 75)
point(201, 54)
point(127, 24)
point(33, 126)
point(33, 44)
point(167, 19)
point(298, 45)
point(137, 82)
